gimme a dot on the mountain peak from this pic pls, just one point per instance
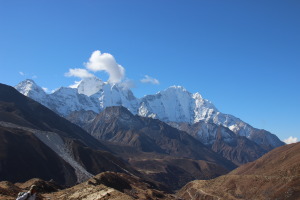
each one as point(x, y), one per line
point(175, 104)
point(177, 88)
point(29, 86)
point(116, 111)
point(90, 86)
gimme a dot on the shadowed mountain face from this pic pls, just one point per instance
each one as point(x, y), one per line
point(156, 149)
point(23, 156)
point(118, 125)
point(276, 175)
point(236, 148)
point(36, 142)
point(21, 110)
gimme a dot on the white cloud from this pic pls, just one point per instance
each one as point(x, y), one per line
point(77, 72)
point(291, 140)
point(75, 85)
point(149, 79)
point(106, 62)
point(22, 73)
point(28, 75)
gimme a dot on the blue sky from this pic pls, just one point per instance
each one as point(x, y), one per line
point(244, 56)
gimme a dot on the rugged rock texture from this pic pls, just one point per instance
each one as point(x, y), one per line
point(23, 156)
point(104, 186)
point(156, 149)
point(81, 117)
point(276, 175)
point(175, 104)
point(119, 126)
point(238, 149)
point(36, 142)
point(9, 191)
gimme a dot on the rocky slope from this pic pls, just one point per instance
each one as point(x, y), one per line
point(118, 125)
point(222, 140)
point(36, 142)
point(238, 149)
point(175, 104)
point(107, 185)
point(156, 149)
point(276, 175)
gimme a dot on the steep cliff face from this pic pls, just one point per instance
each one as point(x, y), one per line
point(36, 142)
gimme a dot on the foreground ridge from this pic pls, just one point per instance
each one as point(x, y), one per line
point(275, 175)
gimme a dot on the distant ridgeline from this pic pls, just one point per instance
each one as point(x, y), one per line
point(175, 105)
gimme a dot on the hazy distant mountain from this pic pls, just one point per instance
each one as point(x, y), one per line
point(276, 175)
point(36, 142)
point(238, 149)
point(175, 105)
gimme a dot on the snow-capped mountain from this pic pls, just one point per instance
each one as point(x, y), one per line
point(174, 104)
point(31, 89)
point(90, 94)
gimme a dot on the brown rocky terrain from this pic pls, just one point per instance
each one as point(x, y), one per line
point(157, 150)
point(238, 149)
point(23, 156)
point(104, 186)
point(36, 142)
point(9, 190)
point(276, 175)
point(173, 172)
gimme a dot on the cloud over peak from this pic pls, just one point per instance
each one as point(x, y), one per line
point(106, 62)
point(80, 73)
point(148, 79)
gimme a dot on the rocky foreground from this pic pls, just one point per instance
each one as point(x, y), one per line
point(276, 175)
point(107, 185)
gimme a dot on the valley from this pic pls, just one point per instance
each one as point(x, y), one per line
point(135, 156)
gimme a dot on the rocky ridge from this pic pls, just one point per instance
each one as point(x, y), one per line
point(156, 149)
point(174, 104)
point(36, 142)
point(276, 175)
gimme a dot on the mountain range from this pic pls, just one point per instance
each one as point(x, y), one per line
point(160, 141)
point(273, 176)
point(36, 142)
point(176, 106)
point(156, 149)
